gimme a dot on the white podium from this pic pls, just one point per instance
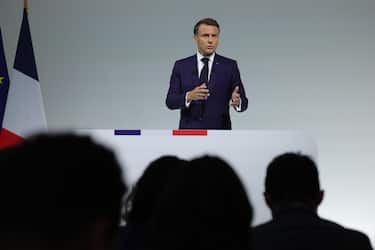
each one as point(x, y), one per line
point(248, 151)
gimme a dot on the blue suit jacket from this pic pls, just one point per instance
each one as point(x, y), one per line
point(212, 113)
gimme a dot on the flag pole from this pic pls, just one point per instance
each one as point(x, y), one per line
point(25, 5)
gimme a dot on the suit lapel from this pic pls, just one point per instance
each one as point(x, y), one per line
point(215, 68)
point(194, 70)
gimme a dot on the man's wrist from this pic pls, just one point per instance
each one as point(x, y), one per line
point(237, 107)
point(187, 99)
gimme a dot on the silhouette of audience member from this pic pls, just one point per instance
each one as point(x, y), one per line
point(205, 208)
point(292, 192)
point(143, 199)
point(59, 192)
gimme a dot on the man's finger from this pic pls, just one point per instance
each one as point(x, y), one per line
point(199, 89)
point(203, 85)
point(237, 96)
point(235, 104)
point(203, 91)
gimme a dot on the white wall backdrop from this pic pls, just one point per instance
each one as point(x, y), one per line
point(306, 65)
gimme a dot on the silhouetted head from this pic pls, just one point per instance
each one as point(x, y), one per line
point(292, 180)
point(206, 208)
point(143, 199)
point(59, 192)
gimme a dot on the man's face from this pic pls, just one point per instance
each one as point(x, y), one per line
point(207, 39)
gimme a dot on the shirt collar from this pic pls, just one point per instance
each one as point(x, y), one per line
point(200, 56)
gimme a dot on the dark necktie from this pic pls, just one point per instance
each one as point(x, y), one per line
point(204, 73)
point(203, 78)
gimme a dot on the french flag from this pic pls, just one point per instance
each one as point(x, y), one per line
point(24, 109)
point(4, 87)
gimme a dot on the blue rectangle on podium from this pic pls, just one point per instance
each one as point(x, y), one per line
point(127, 132)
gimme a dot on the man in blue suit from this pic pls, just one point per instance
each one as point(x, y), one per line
point(205, 85)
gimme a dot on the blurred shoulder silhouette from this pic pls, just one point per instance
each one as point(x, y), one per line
point(143, 199)
point(205, 208)
point(292, 192)
point(59, 192)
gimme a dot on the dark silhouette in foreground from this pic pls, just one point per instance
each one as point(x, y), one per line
point(143, 200)
point(59, 192)
point(292, 192)
point(205, 208)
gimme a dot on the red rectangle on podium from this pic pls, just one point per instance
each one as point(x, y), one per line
point(190, 132)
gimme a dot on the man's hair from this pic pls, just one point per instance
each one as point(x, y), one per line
point(206, 21)
point(206, 207)
point(55, 187)
point(143, 199)
point(292, 177)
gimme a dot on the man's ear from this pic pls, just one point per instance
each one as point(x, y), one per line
point(195, 38)
point(319, 198)
point(268, 200)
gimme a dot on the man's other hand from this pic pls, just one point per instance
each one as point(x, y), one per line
point(236, 97)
